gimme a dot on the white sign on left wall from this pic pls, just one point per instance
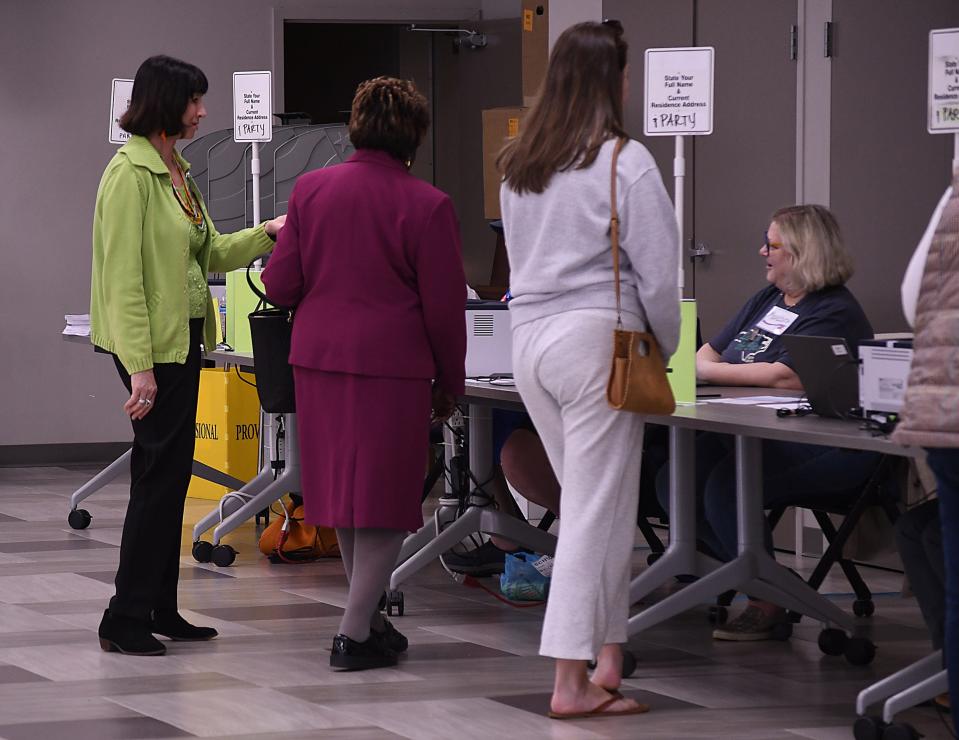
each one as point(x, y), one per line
point(119, 102)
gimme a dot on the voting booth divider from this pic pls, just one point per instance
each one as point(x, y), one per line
point(227, 429)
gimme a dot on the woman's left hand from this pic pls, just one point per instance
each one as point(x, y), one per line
point(273, 226)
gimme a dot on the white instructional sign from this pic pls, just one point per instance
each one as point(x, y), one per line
point(679, 91)
point(944, 81)
point(252, 106)
point(119, 102)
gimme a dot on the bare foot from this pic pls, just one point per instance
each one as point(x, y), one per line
point(592, 697)
point(609, 668)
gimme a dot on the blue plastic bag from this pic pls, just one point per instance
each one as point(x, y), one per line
point(521, 581)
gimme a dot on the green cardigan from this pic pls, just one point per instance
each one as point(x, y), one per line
point(138, 296)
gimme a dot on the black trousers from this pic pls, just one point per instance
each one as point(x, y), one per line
point(919, 538)
point(160, 470)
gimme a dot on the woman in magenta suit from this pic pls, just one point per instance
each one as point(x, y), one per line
point(370, 257)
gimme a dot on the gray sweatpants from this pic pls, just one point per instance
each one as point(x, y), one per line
point(561, 364)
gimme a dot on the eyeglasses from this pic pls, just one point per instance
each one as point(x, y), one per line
point(768, 245)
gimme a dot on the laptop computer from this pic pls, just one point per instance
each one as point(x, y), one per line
point(828, 370)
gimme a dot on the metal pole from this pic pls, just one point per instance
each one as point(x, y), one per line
point(255, 170)
point(679, 173)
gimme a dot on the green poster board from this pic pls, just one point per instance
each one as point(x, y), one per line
point(240, 302)
point(682, 364)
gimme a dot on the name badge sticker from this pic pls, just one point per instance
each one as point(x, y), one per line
point(777, 320)
point(839, 350)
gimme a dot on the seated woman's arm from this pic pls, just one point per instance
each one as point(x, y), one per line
point(711, 369)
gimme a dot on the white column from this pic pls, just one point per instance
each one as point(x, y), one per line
point(566, 13)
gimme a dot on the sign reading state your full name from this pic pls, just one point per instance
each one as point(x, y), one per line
point(944, 81)
point(121, 91)
point(679, 91)
point(252, 106)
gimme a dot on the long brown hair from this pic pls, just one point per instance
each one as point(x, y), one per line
point(579, 107)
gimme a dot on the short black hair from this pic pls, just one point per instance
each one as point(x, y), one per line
point(162, 89)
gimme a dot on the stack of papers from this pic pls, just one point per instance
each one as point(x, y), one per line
point(766, 402)
point(78, 324)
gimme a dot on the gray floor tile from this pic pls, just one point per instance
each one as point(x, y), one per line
point(124, 728)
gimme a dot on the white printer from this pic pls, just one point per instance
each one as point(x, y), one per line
point(489, 339)
point(883, 374)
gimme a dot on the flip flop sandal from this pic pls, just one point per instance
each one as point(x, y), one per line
point(601, 711)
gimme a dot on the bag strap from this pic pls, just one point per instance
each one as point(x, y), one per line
point(614, 228)
point(264, 301)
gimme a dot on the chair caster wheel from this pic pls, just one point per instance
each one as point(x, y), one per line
point(223, 555)
point(900, 731)
point(859, 651)
point(782, 631)
point(79, 518)
point(202, 551)
point(718, 615)
point(832, 641)
point(868, 728)
point(394, 603)
point(653, 557)
point(863, 607)
point(629, 664)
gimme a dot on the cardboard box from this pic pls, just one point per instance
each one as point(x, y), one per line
point(499, 125)
point(535, 20)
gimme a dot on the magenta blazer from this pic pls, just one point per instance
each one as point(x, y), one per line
point(371, 258)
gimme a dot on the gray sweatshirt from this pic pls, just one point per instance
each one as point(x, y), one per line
point(559, 249)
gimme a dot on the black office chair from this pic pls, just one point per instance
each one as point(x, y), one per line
point(880, 490)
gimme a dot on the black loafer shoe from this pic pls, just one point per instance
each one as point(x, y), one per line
point(350, 655)
point(170, 624)
point(390, 637)
point(127, 636)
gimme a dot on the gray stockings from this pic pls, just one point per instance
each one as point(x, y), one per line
point(369, 556)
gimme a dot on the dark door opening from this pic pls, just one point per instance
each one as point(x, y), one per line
point(324, 62)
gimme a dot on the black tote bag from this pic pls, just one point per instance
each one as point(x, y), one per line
point(271, 328)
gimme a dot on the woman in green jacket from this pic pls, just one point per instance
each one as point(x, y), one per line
point(150, 307)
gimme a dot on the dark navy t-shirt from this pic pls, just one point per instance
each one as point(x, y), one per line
point(753, 334)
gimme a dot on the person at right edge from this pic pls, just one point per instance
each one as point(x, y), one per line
point(556, 208)
point(930, 415)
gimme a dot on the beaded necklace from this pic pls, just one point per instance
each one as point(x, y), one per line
point(190, 206)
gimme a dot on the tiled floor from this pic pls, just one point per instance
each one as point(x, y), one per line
point(471, 672)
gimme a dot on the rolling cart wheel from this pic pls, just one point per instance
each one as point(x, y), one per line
point(859, 651)
point(653, 557)
point(718, 615)
point(832, 641)
point(394, 603)
point(79, 519)
point(782, 631)
point(629, 664)
point(381, 606)
point(868, 728)
point(223, 555)
point(863, 607)
point(202, 551)
point(900, 731)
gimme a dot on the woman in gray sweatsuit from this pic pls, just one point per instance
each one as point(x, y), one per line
point(555, 202)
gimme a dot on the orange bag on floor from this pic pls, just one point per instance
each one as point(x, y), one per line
point(289, 540)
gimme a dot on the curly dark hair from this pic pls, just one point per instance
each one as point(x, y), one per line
point(390, 115)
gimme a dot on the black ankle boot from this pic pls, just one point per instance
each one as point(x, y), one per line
point(169, 623)
point(128, 636)
point(349, 655)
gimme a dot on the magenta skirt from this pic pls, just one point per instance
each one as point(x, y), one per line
point(363, 448)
